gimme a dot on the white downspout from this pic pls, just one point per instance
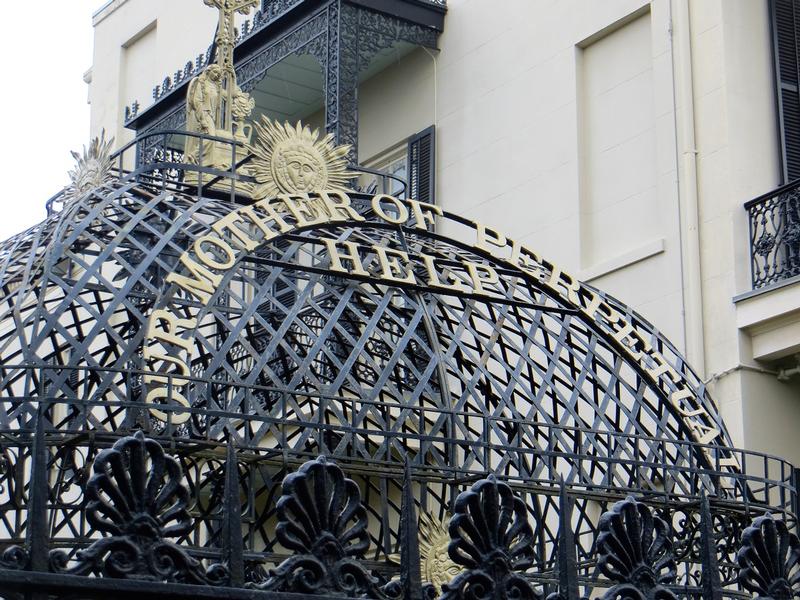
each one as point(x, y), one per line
point(691, 273)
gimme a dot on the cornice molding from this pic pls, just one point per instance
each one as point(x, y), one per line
point(106, 10)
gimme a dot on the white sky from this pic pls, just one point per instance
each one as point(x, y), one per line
point(44, 108)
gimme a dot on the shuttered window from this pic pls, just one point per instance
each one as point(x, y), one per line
point(421, 167)
point(786, 31)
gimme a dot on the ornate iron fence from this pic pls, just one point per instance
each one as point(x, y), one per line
point(137, 505)
point(226, 496)
point(775, 235)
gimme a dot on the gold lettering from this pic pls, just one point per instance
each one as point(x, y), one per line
point(423, 216)
point(202, 285)
point(527, 260)
point(228, 223)
point(681, 393)
point(662, 367)
point(351, 255)
point(339, 211)
point(391, 268)
point(633, 341)
point(704, 434)
point(177, 362)
point(478, 282)
point(264, 224)
point(572, 287)
point(594, 303)
point(209, 259)
point(302, 211)
point(687, 414)
point(161, 393)
point(163, 325)
point(433, 276)
point(519, 251)
point(605, 311)
point(676, 399)
point(399, 207)
point(488, 236)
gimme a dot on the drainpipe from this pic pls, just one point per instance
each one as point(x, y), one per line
point(691, 274)
point(786, 374)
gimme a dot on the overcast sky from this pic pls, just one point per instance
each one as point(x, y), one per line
point(43, 108)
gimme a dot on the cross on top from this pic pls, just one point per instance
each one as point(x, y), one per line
point(226, 37)
point(225, 41)
point(242, 6)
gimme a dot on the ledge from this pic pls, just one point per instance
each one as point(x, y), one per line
point(104, 11)
point(623, 260)
point(766, 289)
point(771, 316)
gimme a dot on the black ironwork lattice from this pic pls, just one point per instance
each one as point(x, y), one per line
point(291, 361)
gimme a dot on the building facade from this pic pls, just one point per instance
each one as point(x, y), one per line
point(370, 356)
point(620, 138)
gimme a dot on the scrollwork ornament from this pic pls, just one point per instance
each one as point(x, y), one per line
point(14, 558)
point(764, 244)
point(769, 560)
point(136, 497)
point(491, 537)
point(321, 518)
point(635, 551)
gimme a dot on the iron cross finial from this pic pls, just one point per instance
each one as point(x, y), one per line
point(225, 42)
point(226, 35)
point(241, 6)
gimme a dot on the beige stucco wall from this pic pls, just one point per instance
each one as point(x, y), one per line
point(738, 159)
point(505, 93)
point(137, 44)
point(584, 129)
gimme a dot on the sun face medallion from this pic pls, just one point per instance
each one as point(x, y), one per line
point(294, 160)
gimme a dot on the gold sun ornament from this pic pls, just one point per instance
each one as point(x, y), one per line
point(291, 159)
point(436, 566)
point(93, 169)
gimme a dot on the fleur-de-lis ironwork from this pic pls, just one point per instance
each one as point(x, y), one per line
point(137, 497)
point(635, 551)
point(769, 560)
point(321, 518)
point(491, 537)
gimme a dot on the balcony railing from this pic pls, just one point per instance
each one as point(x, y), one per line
point(775, 235)
point(157, 161)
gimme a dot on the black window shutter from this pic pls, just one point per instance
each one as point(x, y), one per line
point(785, 33)
point(421, 166)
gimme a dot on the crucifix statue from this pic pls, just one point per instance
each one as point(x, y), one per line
point(225, 42)
point(215, 104)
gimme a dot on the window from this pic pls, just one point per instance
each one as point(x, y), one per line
point(785, 20)
point(393, 162)
point(412, 162)
point(421, 165)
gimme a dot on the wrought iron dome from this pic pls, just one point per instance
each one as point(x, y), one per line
point(412, 393)
point(224, 374)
